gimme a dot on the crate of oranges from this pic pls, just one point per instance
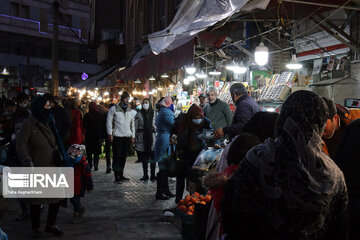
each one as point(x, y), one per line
point(187, 205)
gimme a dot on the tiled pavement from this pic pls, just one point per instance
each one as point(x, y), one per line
point(114, 211)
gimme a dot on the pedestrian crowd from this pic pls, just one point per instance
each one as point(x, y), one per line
point(287, 175)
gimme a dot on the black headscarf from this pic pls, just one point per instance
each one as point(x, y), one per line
point(148, 116)
point(289, 186)
point(38, 111)
point(262, 125)
point(47, 118)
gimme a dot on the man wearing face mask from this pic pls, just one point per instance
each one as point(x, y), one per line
point(190, 142)
point(121, 132)
point(246, 107)
point(217, 110)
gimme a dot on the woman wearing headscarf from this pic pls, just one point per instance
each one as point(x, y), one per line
point(189, 128)
point(261, 126)
point(164, 123)
point(93, 134)
point(288, 188)
point(35, 147)
point(145, 138)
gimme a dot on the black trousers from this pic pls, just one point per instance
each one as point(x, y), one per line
point(146, 158)
point(121, 146)
point(35, 215)
point(107, 151)
point(76, 203)
point(93, 161)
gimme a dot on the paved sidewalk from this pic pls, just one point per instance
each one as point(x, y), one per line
point(114, 211)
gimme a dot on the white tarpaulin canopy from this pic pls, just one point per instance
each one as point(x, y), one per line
point(195, 16)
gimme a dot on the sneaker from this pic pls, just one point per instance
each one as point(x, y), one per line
point(76, 218)
point(122, 178)
point(96, 169)
point(152, 178)
point(108, 170)
point(118, 180)
point(54, 230)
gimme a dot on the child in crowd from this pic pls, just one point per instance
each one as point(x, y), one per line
point(82, 180)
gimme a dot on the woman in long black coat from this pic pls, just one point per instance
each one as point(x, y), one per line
point(93, 134)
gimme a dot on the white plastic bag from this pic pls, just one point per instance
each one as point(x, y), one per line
point(207, 159)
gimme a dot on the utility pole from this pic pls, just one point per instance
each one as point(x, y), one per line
point(55, 51)
point(28, 77)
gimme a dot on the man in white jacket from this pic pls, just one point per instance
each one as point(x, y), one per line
point(121, 131)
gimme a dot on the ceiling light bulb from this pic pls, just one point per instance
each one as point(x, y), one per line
point(215, 73)
point(137, 81)
point(261, 54)
point(191, 69)
point(164, 75)
point(201, 74)
point(240, 69)
point(152, 78)
point(294, 64)
point(191, 78)
point(186, 81)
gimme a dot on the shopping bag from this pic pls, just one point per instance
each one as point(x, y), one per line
point(207, 159)
point(172, 162)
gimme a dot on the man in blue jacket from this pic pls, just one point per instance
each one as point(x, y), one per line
point(246, 107)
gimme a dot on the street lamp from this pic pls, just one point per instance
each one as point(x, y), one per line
point(5, 72)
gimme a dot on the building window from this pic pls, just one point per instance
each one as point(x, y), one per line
point(68, 20)
point(15, 9)
point(24, 12)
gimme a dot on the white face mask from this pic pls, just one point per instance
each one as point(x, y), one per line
point(23, 105)
point(146, 106)
point(197, 121)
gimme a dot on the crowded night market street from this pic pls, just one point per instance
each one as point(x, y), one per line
point(180, 119)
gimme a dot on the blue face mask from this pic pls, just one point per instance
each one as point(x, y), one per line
point(171, 107)
point(197, 121)
point(138, 107)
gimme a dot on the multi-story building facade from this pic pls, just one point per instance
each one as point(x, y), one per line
point(26, 32)
point(119, 27)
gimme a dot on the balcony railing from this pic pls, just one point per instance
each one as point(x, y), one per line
point(31, 27)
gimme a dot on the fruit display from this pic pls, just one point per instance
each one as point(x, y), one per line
point(187, 205)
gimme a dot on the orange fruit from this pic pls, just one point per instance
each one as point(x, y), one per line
point(207, 198)
point(182, 201)
point(196, 195)
point(191, 208)
point(203, 202)
point(182, 208)
point(189, 213)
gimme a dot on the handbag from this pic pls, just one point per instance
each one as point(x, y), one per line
point(57, 156)
point(172, 162)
